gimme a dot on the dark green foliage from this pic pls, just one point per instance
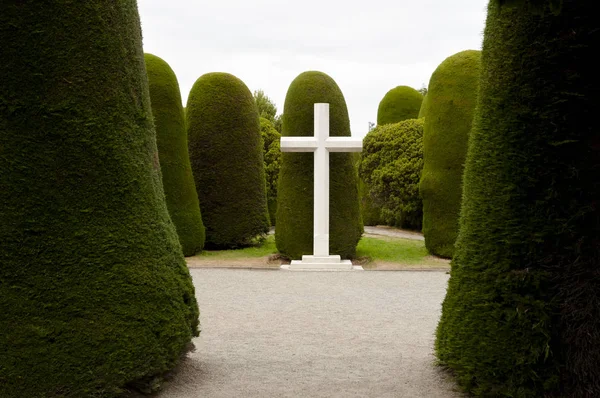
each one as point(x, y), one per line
point(391, 164)
point(451, 100)
point(227, 160)
point(371, 214)
point(171, 140)
point(398, 104)
point(534, 6)
point(272, 160)
point(266, 107)
point(294, 233)
point(94, 289)
point(522, 313)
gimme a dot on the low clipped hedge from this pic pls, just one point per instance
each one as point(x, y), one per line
point(294, 232)
point(227, 160)
point(398, 104)
point(171, 140)
point(522, 313)
point(391, 165)
point(451, 99)
point(272, 159)
point(95, 295)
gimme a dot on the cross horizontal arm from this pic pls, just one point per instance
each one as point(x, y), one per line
point(343, 144)
point(298, 144)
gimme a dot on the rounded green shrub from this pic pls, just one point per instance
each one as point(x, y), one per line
point(522, 314)
point(272, 160)
point(227, 160)
point(398, 104)
point(294, 232)
point(451, 99)
point(171, 140)
point(391, 165)
point(95, 295)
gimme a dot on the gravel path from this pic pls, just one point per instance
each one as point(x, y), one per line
point(391, 231)
point(314, 334)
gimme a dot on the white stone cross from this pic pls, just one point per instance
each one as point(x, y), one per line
point(321, 144)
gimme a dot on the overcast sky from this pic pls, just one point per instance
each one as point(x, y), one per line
point(367, 47)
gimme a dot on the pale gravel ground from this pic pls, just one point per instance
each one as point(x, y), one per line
point(314, 334)
point(391, 231)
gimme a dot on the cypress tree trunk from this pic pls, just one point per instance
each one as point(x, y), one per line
point(522, 313)
point(94, 290)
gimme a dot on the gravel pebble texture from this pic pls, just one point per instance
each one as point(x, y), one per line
point(314, 334)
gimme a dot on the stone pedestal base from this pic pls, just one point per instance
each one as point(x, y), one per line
point(321, 263)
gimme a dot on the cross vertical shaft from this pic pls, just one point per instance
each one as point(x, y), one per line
point(321, 182)
point(321, 144)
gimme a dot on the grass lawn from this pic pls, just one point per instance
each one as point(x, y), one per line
point(373, 253)
point(383, 252)
point(267, 248)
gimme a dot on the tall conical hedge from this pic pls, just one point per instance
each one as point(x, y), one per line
point(171, 139)
point(451, 100)
point(227, 160)
point(94, 290)
point(294, 232)
point(398, 104)
point(272, 160)
point(522, 314)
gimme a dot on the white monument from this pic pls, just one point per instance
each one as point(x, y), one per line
point(321, 144)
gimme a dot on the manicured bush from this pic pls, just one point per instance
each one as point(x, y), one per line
point(171, 140)
point(391, 164)
point(294, 233)
point(522, 314)
point(95, 295)
point(227, 160)
point(398, 104)
point(452, 98)
point(272, 160)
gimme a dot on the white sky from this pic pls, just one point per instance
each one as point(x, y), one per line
point(367, 47)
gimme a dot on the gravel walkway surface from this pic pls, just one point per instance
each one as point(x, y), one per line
point(394, 232)
point(314, 334)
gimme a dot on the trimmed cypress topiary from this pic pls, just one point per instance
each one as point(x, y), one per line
point(171, 140)
point(451, 99)
point(95, 295)
point(294, 233)
point(522, 312)
point(227, 160)
point(391, 164)
point(398, 104)
point(272, 160)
